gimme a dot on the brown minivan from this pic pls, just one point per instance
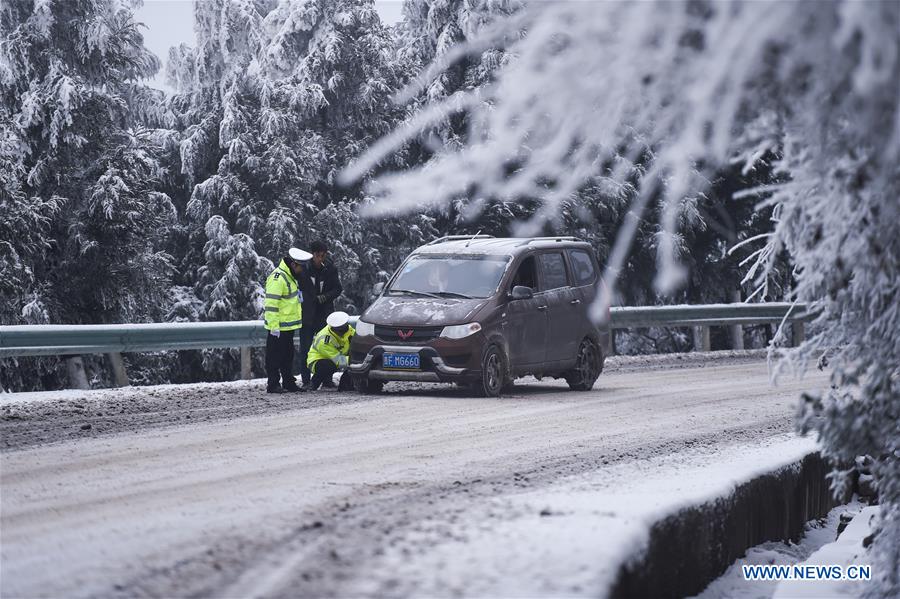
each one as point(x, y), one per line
point(481, 311)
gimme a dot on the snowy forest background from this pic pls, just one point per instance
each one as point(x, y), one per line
point(710, 151)
point(122, 204)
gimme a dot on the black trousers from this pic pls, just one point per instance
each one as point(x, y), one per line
point(325, 370)
point(306, 336)
point(280, 358)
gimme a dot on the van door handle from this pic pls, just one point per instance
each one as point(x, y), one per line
point(542, 307)
point(575, 302)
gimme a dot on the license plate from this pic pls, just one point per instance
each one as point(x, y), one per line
point(401, 361)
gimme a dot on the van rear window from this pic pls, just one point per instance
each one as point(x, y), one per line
point(582, 267)
point(553, 268)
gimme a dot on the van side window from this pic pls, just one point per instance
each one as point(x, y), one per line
point(553, 268)
point(582, 267)
point(526, 274)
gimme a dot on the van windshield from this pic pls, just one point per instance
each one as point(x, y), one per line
point(465, 276)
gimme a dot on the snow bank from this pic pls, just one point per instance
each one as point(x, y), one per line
point(847, 550)
point(571, 539)
point(817, 534)
point(117, 393)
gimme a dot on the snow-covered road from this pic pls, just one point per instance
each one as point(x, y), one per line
point(232, 493)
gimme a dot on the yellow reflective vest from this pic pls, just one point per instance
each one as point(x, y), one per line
point(328, 345)
point(283, 305)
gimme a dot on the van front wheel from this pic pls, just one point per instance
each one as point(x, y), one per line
point(365, 385)
point(493, 373)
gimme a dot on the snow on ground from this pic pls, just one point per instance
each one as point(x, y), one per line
point(612, 364)
point(194, 490)
point(104, 394)
point(29, 396)
point(845, 551)
point(569, 539)
point(817, 534)
point(27, 419)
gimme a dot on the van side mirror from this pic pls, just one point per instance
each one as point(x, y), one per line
point(377, 288)
point(520, 292)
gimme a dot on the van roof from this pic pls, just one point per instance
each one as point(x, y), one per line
point(485, 244)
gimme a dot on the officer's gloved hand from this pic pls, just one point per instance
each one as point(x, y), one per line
point(275, 333)
point(341, 361)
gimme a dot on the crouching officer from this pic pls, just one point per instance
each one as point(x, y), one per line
point(283, 316)
point(330, 352)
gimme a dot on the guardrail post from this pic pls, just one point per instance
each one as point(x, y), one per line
point(736, 330)
point(737, 336)
point(120, 375)
point(701, 339)
point(77, 376)
point(245, 363)
point(798, 333)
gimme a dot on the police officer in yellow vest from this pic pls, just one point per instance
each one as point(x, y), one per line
point(283, 316)
point(330, 351)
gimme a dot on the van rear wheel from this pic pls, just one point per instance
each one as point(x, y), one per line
point(493, 373)
point(588, 365)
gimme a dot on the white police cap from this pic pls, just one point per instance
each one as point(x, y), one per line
point(299, 255)
point(337, 319)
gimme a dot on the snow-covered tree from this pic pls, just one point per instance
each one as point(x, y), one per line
point(230, 283)
point(24, 228)
point(429, 32)
point(70, 103)
point(78, 166)
point(123, 222)
point(596, 86)
point(232, 274)
point(367, 251)
point(273, 101)
point(432, 32)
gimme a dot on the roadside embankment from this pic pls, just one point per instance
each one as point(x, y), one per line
point(688, 549)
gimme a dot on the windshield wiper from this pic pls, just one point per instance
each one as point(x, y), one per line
point(454, 294)
point(411, 292)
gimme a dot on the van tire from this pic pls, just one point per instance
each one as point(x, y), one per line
point(588, 365)
point(494, 373)
point(366, 386)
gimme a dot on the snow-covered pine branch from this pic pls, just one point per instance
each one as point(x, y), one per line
point(600, 84)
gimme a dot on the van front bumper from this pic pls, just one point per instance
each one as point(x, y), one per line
point(434, 369)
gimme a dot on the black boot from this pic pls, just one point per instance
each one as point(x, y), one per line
point(291, 387)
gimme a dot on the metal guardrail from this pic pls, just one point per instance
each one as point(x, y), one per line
point(115, 339)
point(702, 317)
point(59, 340)
point(705, 315)
point(49, 340)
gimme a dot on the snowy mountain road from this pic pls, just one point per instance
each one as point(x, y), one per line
point(304, 495)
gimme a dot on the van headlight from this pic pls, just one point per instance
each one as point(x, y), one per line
point(460, 331)
point(364, 329)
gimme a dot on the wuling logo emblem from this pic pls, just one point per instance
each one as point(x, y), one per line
point(405, 334)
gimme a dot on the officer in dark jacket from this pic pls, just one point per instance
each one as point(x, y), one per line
point(321, 286)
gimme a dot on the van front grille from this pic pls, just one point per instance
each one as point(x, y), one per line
point(407, 334)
